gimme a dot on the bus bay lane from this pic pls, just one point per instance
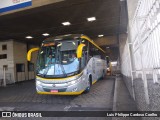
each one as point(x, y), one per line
point(22, 96)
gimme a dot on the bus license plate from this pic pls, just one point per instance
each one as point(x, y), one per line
point(54, 91)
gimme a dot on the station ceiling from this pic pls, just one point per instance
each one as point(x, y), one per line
point(110, 16)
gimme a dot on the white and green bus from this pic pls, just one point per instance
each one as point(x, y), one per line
point(68, 65)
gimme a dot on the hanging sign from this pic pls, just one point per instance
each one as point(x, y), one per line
point(8, 5)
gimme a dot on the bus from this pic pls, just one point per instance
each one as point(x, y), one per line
point(68, 64)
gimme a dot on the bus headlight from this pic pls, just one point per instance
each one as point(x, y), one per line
point(38, 83)
point(73, 81)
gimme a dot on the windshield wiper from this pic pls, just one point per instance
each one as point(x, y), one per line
point(46, 70)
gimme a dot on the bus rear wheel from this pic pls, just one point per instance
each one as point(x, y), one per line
point(89, 82)
point(103, 75)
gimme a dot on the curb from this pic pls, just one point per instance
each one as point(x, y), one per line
point(114, 108)
point(115, 96)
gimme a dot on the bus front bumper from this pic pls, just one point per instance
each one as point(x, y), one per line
point(74, 87)
point(61, 93)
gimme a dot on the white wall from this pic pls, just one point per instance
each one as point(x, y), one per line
point(20, 56)
point(8, 61)
point(16, 54)
point(19, 53)
point(125, 55)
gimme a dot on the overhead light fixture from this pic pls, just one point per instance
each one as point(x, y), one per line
point(29, 37)
point(68, 35)
point(100, 35)
point(66, 23)
point(107, 47)
point(90, 19)
point(45, 34)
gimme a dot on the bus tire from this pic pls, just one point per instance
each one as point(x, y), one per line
point(89, 84)
point(103, 75)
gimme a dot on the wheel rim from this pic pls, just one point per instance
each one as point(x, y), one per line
point(88, 85)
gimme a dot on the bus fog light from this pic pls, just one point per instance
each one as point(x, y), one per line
point(75, 89)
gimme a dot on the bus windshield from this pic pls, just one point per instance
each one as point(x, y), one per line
point(58, 59)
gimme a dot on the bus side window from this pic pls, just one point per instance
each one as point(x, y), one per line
point(86, 49)
point(84, 58)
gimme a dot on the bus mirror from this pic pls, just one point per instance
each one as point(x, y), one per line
point(79, 50)
point(30, 52)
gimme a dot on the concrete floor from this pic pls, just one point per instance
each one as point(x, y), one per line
point(109, 94)
point(23, 97)
point(122, 100)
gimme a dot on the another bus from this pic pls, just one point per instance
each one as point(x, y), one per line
point(68, 65)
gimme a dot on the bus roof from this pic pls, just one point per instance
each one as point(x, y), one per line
point(72, 36)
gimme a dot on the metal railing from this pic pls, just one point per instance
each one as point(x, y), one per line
point(144, 40)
